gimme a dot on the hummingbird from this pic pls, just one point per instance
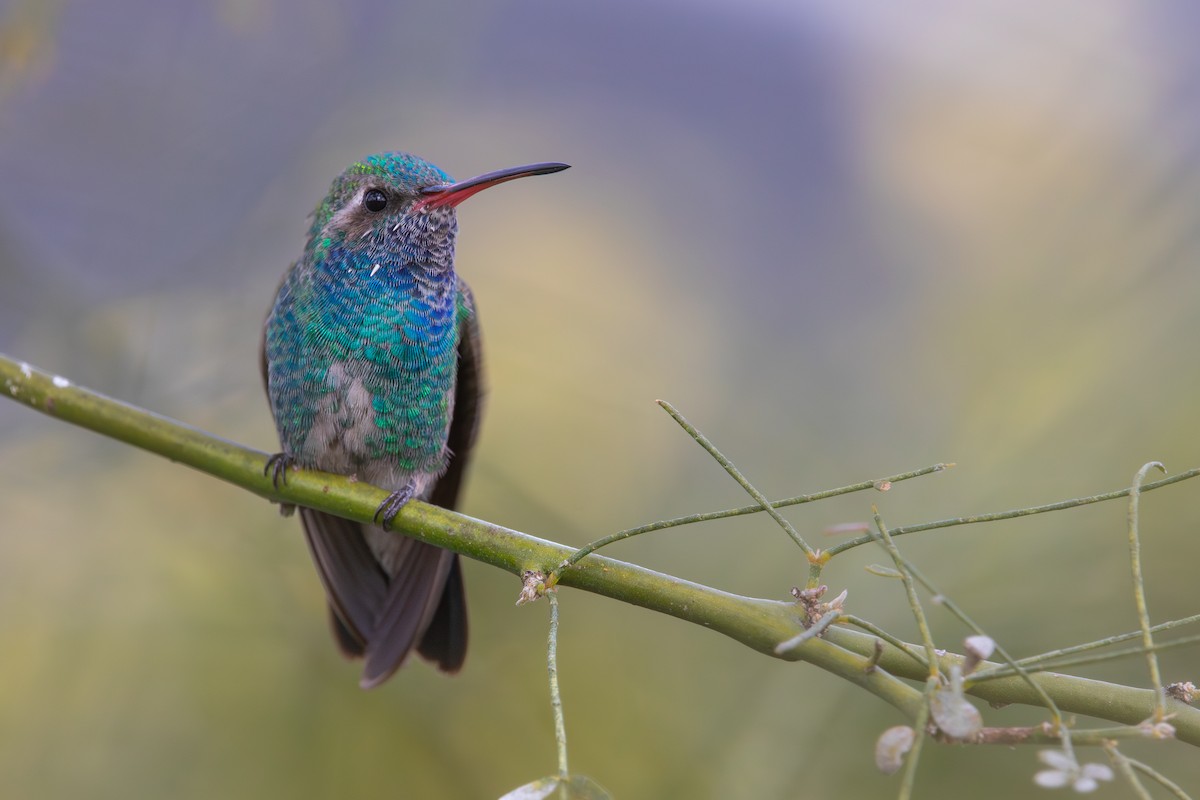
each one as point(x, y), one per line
point(372, 363)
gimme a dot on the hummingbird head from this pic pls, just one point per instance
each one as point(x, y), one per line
point(402, 206)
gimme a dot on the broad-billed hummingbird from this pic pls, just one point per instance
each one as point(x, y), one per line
point(371, 357)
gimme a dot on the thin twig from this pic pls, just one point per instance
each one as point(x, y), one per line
point(1075, 502)
point(879, 484)
point(870, 627)
point(946, 602)
point(560, 726)
point(1156, 776)
point(921, 733)
point(1041, 664)
point(914, 602)
point(737, 475)
point(1125, 769)
point(1139, 587)
point(818, 627)
point(1055, 655)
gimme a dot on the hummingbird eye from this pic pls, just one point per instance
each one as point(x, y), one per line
point(375, 200)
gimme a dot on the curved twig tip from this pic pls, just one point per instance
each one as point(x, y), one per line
point(1145, 470)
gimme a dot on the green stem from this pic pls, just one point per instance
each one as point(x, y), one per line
point(1072, 695)
point(757, 623)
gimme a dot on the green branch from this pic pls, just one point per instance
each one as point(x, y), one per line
point(757, 623)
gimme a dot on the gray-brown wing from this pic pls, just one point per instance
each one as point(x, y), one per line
point(445, 640)
point(468, 406)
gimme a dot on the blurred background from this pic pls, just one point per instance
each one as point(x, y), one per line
point(845, 239)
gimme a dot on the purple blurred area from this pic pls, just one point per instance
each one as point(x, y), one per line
point(155, 149)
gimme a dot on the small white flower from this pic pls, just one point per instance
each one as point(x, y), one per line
point(891, 748)
point(1157, 730)
point(979, 649)
point(1091, 775)
point(980, 646)
point(950, 710)
point(1065, 771)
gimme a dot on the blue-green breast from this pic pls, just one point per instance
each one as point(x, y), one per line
point(362, 354)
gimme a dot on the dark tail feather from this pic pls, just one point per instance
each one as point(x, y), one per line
point(354, 583)
point(413, 592)
point(347, 642)
point(445, 640)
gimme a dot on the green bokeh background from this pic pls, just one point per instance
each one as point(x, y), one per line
point(845, 240)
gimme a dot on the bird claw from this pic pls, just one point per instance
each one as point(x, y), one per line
point(391, 506)
point(277, 467)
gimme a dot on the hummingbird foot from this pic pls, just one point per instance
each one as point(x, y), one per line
point(395, 501)
point(277, 467)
